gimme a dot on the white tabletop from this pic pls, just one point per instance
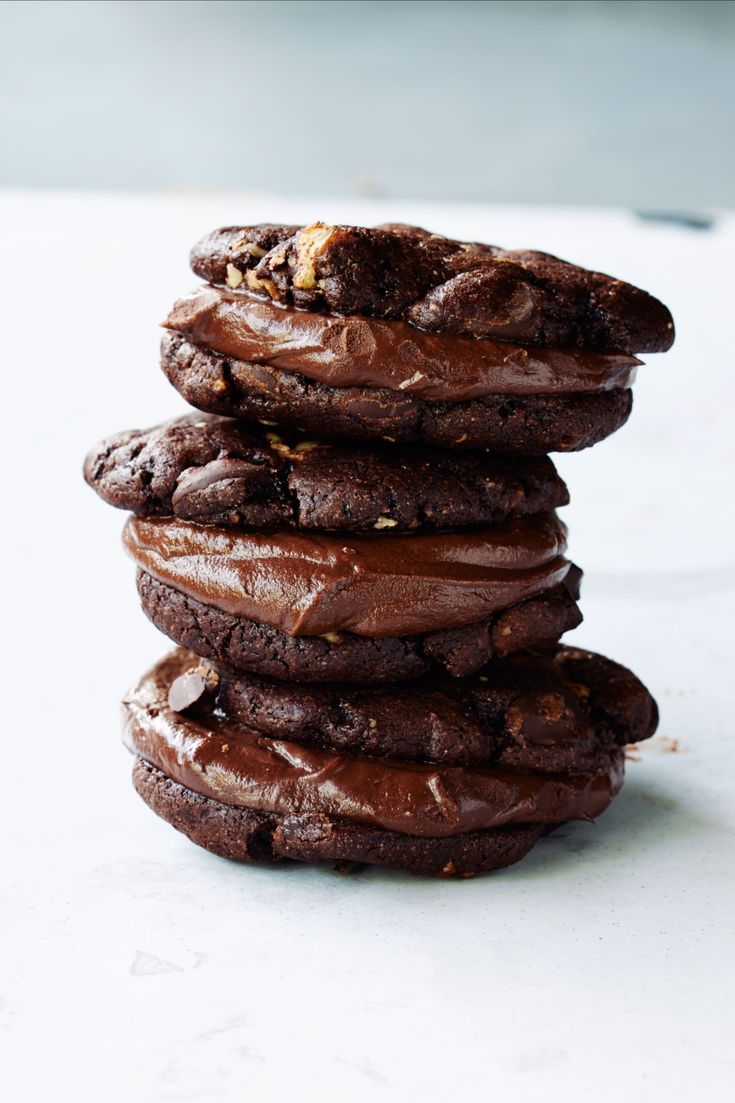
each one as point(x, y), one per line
point(138, 967)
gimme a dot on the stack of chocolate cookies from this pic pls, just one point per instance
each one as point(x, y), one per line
point(355, 548)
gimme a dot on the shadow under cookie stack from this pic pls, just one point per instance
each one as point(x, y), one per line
point(356, 550)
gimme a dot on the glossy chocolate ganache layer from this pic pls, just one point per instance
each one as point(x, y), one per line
point(356, 351)
point(382, 584)
point(237, 766)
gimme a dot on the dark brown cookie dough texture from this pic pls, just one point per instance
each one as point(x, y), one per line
point(554, 710)
point(368, 459)
point(218, 471)
point(247, 645)
point(404, 272)
point(523, 425)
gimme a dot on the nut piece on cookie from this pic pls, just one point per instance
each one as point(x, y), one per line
point(234, 250)
point(190, 686)
point(309, 244)
point(234, 276)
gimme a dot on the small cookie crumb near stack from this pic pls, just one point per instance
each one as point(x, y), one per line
point(355, 547)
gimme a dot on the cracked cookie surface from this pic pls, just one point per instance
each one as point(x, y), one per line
point(222, 472)
point(554, 710)
point(436, 283)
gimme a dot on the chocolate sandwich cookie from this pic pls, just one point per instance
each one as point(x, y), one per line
point(251, 796)
point(400, 334)
point(216, 471)
point(519, 423)
point(437, 284)
point(320, 606)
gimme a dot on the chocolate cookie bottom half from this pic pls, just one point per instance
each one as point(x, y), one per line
point(258, 837)
point(526, 425)
point(249, 796)
point(242, 644)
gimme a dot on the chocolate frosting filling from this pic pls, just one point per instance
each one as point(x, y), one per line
point(355, 351)
point(310, 584)
point(238, 766)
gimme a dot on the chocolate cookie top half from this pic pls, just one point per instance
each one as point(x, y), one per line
point(558, 709)
point(436, 284)
point(216, 471)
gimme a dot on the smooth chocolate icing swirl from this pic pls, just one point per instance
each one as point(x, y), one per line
point(238, 766)
point(355, 351)
point(310, 584)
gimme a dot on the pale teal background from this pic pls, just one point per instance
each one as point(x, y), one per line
point(630, 103)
